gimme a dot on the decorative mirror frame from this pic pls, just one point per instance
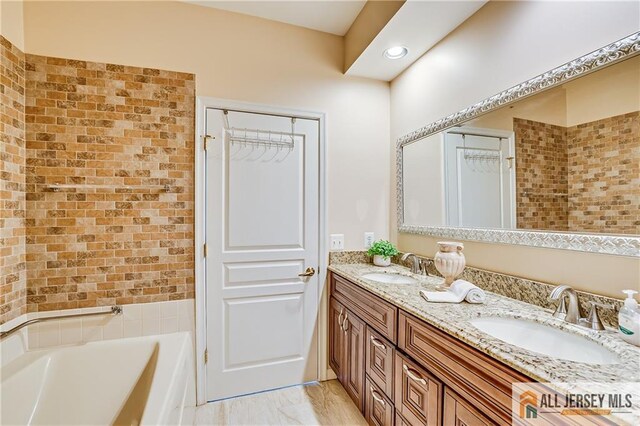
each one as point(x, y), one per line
point(596, 243)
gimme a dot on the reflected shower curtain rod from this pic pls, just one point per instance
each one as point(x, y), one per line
point(475, 134)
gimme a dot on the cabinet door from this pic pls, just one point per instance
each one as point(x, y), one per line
point(353, 374)
point(336, 337)
point(418, 395)
point(378, 409)
point(459, 412)
point(379, 361)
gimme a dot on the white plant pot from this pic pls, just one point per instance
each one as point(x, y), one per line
point(379, 260)
point(449, 261)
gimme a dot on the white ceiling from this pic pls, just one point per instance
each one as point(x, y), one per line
point(418, 25)
point(330, 16)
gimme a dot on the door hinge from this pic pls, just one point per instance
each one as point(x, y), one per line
point(205, 250)
point(205, 138)
point(206, 356)
point(510, 160)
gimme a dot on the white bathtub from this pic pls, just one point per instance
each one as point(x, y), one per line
point(141, 380)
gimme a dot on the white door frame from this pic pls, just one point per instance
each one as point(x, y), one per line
point(202, 103)
point(495, 133)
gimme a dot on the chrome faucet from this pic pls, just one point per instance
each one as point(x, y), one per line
point(572, 313)
point(419, 266)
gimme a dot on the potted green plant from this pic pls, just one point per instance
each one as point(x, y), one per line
point(382, 251)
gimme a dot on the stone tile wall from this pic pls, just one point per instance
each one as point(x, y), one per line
point(604, 175)
point(541, 175)
point(13, 275)
point(110, 184)
point(584, 178)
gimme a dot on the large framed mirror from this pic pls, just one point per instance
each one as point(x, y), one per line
point(553, 162)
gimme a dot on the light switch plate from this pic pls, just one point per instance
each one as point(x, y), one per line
point(337, 241)
point(368, 239)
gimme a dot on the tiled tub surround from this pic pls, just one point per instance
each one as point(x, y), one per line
point(13, 274)
point(115, 135)
point(582, 178)
point(522, 289)
point(454, 320)
point(541, 174)
point(136, 320)
point(604, 175)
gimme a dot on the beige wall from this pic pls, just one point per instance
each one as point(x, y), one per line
point(11, 22)
point(503, 44)
point(548, 107)
point(246, 59)
point(612, 91)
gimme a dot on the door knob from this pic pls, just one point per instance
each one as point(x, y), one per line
point(308, 272)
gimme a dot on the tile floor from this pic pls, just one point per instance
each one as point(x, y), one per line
point(324, 403)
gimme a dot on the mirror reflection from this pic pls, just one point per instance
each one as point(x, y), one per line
point(566, 159)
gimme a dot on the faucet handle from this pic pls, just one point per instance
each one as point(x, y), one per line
point(593, 319)
point(602, 305)
point(561, 310)
point(424, 264)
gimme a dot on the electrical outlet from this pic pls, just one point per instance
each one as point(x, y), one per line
point(337, 241)
point(368, 239)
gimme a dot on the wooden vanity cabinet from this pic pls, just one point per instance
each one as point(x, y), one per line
point(481, 380)
point(459, 412)
point(347, 350)
point(400, 370)
point(377, 313)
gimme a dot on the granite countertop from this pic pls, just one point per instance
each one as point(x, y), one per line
point(454, 319)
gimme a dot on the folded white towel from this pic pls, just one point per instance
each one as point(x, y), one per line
point(458, 291)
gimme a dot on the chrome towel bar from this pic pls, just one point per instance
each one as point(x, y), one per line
point(115, 310)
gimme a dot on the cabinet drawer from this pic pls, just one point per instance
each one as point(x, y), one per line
point(418, 395)
point(379, 314)
point(481, 380)
point(378, 408)
point(457, 411)
point(400, 421)
point(379, 361)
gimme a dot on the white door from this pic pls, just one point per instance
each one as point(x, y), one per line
point(479, 181)
point(261, 233)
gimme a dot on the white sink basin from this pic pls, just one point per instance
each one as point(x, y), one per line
point(545, 340)
point(389, 278)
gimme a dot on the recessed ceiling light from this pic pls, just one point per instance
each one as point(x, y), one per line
point(396, 52)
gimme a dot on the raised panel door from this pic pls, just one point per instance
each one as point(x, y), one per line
point(353, 374)
point(418, 395)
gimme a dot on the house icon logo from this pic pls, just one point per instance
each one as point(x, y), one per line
point(528, 405)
